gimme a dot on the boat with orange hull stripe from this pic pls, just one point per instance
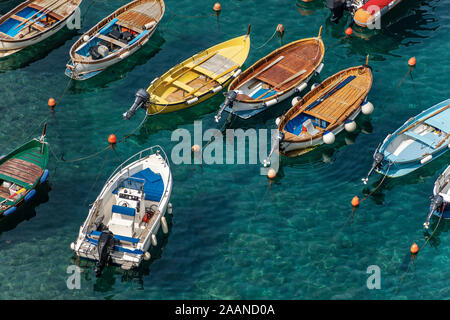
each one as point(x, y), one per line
point(372, 10)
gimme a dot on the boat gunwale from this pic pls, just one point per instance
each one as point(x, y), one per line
point(108, 19)
point(278, 52)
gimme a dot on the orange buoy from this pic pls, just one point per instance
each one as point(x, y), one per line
point(196, 148)
point(349, 31)
point(414, 248)
point(271, 174)
point(412, 62)
point(112, 139)
point(280, 31)
point(51, 103)
point(217, 8)
point(355, 201)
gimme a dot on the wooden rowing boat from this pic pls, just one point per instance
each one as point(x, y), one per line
point(34, 21)
point(324, 111)
point(417, 142)
point(128, 212)
point(195, 79)
point(21, 171)
point(274, 78)
point(115, 38)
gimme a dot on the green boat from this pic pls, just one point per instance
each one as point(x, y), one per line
point(21, 171)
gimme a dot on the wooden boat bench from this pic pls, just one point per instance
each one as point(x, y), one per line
point(4, 193)
point(112, 40)
point(50, 13)
point(28, 22)
point(20, 170)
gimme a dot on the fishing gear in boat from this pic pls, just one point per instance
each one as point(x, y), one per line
point(105, 247)
point(142, 98)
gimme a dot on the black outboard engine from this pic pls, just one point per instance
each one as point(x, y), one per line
point(436, 204)
point(105, 246)
point(337, 8)
point(378, 158)
point(230, 97)
point(276, 145)
point(142, 97)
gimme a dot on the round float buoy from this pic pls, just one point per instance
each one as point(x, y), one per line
point(349, 31)
point(72, 245)
point(412, 62)
point(277, 121)
point(295, 101)
point(280, 31)
point(86, 38)
point(10, 211)
point(329, 137)
point(147, 256)
point(30, 195)
point(169, 208)
point(164, 227)
point(271, 174)
point(217, 8)
point(51, 103)
point(367, 108)
point(314, 86)
point(154, 241)
point(414, 249)
point(196, 148)
point(44, 176)
point(350, 125)
point(355, 201)
point(112, 140)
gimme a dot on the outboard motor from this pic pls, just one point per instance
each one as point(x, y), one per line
point(276, 145)
point(105, 246)
point(436, 204)
point(378, 158)
point(230, 97)
point(337, 8)
point(142, 97)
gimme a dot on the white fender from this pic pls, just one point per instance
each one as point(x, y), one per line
point(191, 101)
point(154, 241)
point(319, 68)
point(154, 80)
point(329, 137)
point(426, 159)
point(169, 208)
point(236, 73)
point(86, 38)
point(301, 87)
point(124, 55)
point(147, 256)
point(350, 125)
point(72, 246)
point(216, 89)
point(145, 41)
point(270, 102)
point(295, 101)
point(278, 120)
point(149, 25)
point(367, 108)
point(164, 226)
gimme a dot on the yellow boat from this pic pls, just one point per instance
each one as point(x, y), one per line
point(195, 79)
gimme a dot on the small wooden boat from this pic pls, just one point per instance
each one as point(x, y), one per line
point(33, 21)
point(325, 111)
point(274, 78)
point(123, 222)
point(441, 198)
point(418, 141)
point(114, 38)
point(195, 79)
point(21, 171)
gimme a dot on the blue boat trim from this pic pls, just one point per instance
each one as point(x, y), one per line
point(123, 210)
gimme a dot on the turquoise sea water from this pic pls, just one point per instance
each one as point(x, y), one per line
point(232, 236)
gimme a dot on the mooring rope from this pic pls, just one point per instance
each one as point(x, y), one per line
point(268, 40)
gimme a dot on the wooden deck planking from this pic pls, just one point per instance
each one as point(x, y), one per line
point(21, 170)
point(62, 10)
point(135, 19)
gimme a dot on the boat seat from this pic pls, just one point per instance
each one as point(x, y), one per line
point(310, 127)
point(133, 241)
point(183, 86)
point(50, 13)
point(425, 139)
point(112, 40)
point(123, 210)
point(35, 25)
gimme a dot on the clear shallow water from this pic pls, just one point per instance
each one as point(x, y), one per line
point(231, 236)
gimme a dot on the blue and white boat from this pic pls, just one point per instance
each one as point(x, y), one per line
point(124, 219)
point(441, 198)
point(114, 38)
point(417, 142)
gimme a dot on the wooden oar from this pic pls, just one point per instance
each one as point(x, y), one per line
point(432, 115)
point(48, 11)
point(43, 9)
point(443, 140)
point(189, 69)
point(264, 69)
point(298, 74)
point(214, 79)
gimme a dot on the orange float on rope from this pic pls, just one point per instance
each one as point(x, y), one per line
point(112, 139)
point(412, 62)
point(349, 31)
point(51, 103)
point(271, 174)
point(355, 201)
point(196, 148)
point(414, 248)
point(217, 8)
